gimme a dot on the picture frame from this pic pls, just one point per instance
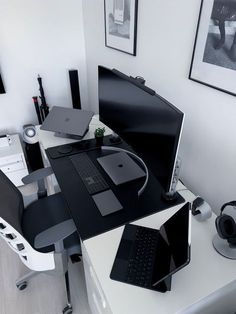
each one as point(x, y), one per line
point(121, 25)
point(214, 54)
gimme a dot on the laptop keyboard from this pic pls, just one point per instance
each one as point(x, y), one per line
point(141, 263)
point(91, 177)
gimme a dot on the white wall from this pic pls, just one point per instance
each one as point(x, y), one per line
point(44, 37)
point(166, 31)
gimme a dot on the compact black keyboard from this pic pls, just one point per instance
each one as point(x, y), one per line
point(90, 175)
point(141, 263)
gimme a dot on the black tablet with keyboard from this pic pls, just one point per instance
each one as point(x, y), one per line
point(148, 257)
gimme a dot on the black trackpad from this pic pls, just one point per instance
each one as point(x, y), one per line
point(125, 249)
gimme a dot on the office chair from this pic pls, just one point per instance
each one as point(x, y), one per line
point(42, 234)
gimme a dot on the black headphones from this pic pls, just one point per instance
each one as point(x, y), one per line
point(226, 226)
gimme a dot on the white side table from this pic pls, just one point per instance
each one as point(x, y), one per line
point(12, 160)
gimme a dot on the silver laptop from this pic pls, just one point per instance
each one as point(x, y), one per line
point(121, 168)
point(67, 122)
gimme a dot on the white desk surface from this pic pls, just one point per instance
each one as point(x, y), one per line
point(12, 160)
point(14, 147)
point(206, 272)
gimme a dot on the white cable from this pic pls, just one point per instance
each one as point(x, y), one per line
point(117, 149)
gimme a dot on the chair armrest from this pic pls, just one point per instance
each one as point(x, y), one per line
point(37, 175)
point(55, 234)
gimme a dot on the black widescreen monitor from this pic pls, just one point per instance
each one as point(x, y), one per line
point(146, 121)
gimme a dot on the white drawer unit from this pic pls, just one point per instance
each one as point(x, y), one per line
point(12, 160)
point(12, 163)
point(96, 298)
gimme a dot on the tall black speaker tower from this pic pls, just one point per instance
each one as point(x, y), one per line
point(2, 89)
point(74, 85)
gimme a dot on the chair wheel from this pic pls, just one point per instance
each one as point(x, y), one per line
point(22, 286)
point(68, 309)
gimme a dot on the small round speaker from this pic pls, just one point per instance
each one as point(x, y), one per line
point(29, 134)
point(32, 147)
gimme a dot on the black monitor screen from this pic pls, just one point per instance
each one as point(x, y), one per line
point(146, 121)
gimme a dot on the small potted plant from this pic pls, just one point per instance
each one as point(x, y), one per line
point(99, 134)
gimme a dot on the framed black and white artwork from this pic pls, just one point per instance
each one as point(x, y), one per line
point(214, 54)
point(121, 25)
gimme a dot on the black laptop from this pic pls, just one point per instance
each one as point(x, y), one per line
point(148, 257)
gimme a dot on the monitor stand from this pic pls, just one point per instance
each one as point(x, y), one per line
point(170, 197)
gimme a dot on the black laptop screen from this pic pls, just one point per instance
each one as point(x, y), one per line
point(173, 246)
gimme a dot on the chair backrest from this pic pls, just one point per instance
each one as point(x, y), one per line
point(11, 209)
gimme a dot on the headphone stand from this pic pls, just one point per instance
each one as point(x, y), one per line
point(222, 247)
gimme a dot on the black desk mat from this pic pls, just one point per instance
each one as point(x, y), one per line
point(84, 212)
point(81, 146)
